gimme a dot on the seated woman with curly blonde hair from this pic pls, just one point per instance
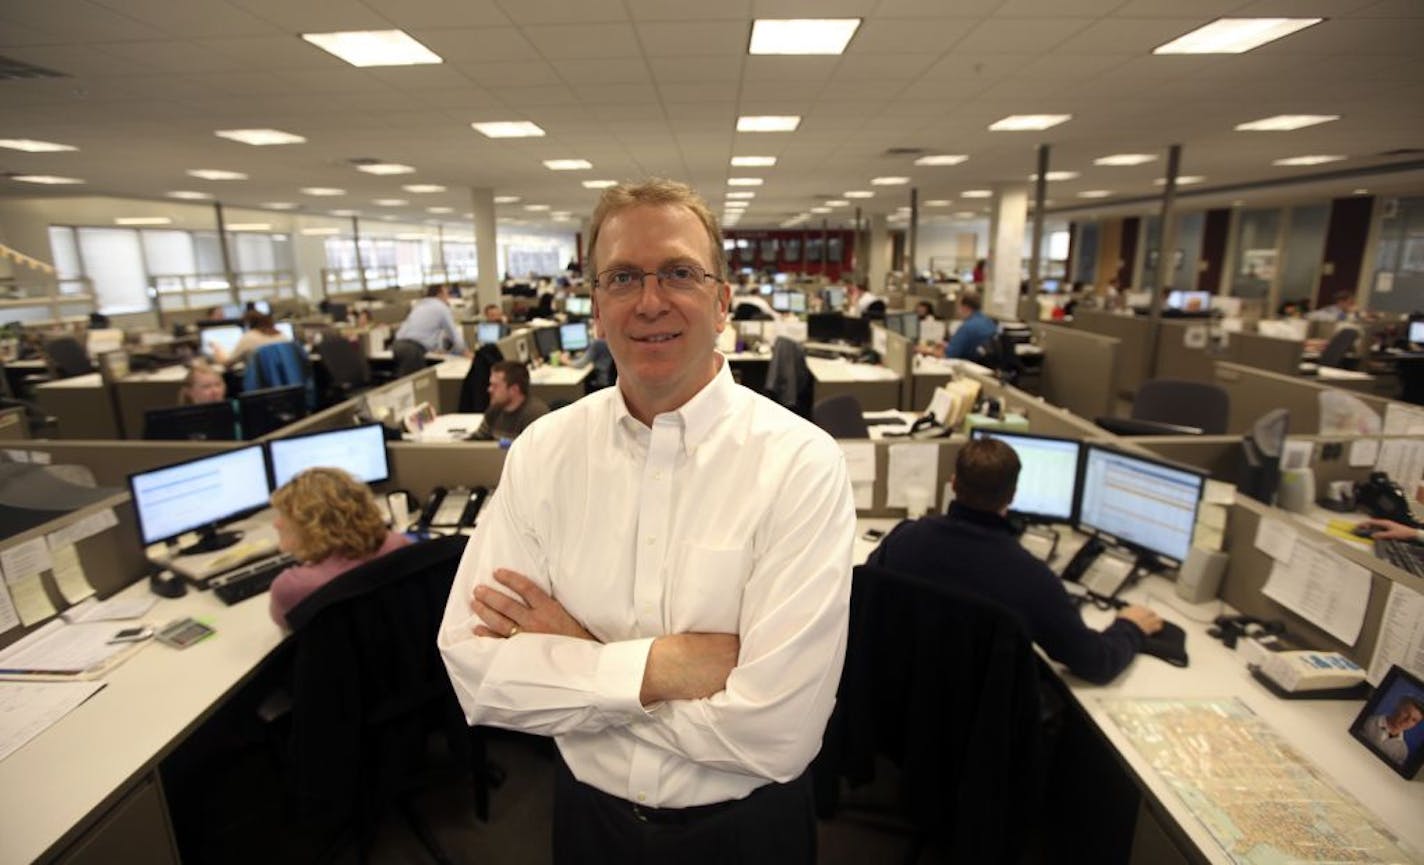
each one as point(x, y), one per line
point(329, 521)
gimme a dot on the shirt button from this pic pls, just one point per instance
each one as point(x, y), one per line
point(652, 541)
point(642, 797)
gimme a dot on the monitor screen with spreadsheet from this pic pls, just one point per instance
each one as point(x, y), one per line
point(489, 332)
point(1143, 503)
point(224, 336)
point(797, 300)
point(578, 304)
point(781, 301)
point(1048, 474)
point(359, 450)
point(199, 494)
point(574, 336)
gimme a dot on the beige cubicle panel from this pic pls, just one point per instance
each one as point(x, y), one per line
point(1222, 456)
point(1266, 352)
point(111, 461)
point(1134, 348)
point(14, 425)
point(1186, 350)
point(1254, 392)
point(419, 467)
point(1078, 370)
point(82, 404)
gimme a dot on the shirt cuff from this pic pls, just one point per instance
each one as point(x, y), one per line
point(618, 678)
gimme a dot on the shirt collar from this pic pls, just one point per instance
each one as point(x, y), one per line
point(986, 519)
point(697, 416)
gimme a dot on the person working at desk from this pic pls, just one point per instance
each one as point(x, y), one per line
point(861, 298)
point(261, 331)
point(974, 547)
point(329, 522)
point(431, 323)
point(1341, 309)
point(511, 408)
point(494, 313)
point(1389, 530)
point(1386, 732)
point(203, 384)
point(605, 371)
point(975, 331)
point(662, 580)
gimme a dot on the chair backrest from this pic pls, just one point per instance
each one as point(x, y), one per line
point(1339, 345)
point(841, 416)
point(474, 390)
point(747, 312)
point(1197, 404)
point(788, 378)
point(944, 685)
point(280, 364)
point(66, 357)
point(344, 362)
point(875, 310)
point(409, 356)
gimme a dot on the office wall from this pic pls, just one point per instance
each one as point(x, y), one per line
point(1212, 258)
point(1344, 246)
point(1396, 276)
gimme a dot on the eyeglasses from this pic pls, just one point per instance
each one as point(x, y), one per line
point(626, 281)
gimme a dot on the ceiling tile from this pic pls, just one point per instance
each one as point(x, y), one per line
point(565, 11)
point(633, 71)
point(812, 8)
point(472, 44)
point(316, 16)
point(1035, 8)
point(936, 35)
point(408, 14)
point(679, 71)
point(725, 91)
point(855, 68)
point(1022, 35)
point(673, 40)
point(689, 10)
point(806, 69)
point(413, 78)
point(70, 21)
point(550, 94)
point(500, 75)
point(1127, 35)
point(276, 52)
point(618, 94)
point(934, 8)
point(584, 41)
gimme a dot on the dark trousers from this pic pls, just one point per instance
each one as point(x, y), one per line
point(775, 824)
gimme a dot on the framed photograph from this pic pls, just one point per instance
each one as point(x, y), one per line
point(1392, 723)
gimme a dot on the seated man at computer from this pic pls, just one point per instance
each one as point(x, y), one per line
point(494, 313)
point(975, 331)
point(261, 331)
point(328, 521)
point(511, 408)
point(431, 324)
point(860, 298)
point(1341, 308)
point(974, 548)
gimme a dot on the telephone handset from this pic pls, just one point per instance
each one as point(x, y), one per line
point(1083, 559)
point(453, 509)
point(1384, 499)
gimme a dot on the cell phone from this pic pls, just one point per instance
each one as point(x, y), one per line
point(132, 635)
point(873, 534)
point(183, 633)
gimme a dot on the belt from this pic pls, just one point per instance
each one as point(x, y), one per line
point(676, 816)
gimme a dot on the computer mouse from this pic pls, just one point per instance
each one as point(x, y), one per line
point(167, 584)
point(1364, 530)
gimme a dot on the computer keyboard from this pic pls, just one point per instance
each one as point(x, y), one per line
point(253, 578)
point(1402, 554)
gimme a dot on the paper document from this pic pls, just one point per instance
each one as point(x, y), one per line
point(910, 477)
point(61, 648)
point(931, 330)
point(1401, 420)
point(1219, 493)
point(27, 709)
point(1329, 590)
point(31, 600)
point(860, 460)
point(1363, 452)
point(9, 617)
point(1297, 454)
point(1402, 460)
point(69, 574)
point(1275, 539)
point(23, 560)
point(85, 528)
point(112, 610)
point(1401, 634)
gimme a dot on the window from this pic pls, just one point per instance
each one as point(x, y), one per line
point(1255, 266)
point(113, 259)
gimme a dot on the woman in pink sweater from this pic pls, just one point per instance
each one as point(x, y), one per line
point(329, 521)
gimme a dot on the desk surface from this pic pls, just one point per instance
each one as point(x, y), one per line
point(456, 368)
point(827, 370)
point(88, 380)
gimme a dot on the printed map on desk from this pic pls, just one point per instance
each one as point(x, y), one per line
point(1260, 798)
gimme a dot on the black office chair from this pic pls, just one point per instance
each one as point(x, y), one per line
point(40, 424)
point(748, 312)
point(875, 311)
point(841, 416)
point(346, 367)
point(369, 686)
point(1411, 379)
point(1339, 345)
point(474, 390)
point(942, 686)
point(788, 378)
point(1186, 405)
point(409, 356)
point(66, 357)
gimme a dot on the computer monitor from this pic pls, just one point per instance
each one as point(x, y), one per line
point(208, 421)
point(824, 326)
point(910, 326)
point(781, 301)
point(834, 297)
point(856, 331)
point(546, 341)
point(1050, 286)
point(768, 290)
point(1145, 504)
point(285, 329)
point(233, 311)
point(578, 305)
point(574, 336)
point(269, 409)
point(200, 495)
point(359, 450)
point(337, 311)
point(1048, 475)
point(1189, 301)
point(798, 301)
point(489, 332)
point(1416, 332)
point(224, 336)
point(781, 278)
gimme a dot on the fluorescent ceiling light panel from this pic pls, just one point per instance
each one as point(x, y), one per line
point(1184, 180)
point(745, 181)
point(859, 193)
point(439, 210)
point(977, 193)
point(801, 35)
point(889, 181)
point(320, 232)
point(385, 168)
point(536, 208)
point(506, 199)
point(567, 164)
point(259, 137)
point(509, 129)
point(1028, 122)
point(189, 195)
point(838, 202)
point(29, 145)
point(248, 226)
point(1234, 35)
point(1055, 175)
point(964, 214)
point(938, 202)
point(1317, 159)
point(390, 202)
point(1121, 159)
point(753, 161)
point(322, 190)
point(820, 210)
point(942, 159)
point(1095, 193)
point(216, 174)
point(421, 188)
point(374, 47)
point(768, 123)
point(599, 184)
point(46, 179)
point(278, 205)
point(1285, 122)
point(745, 194)
point(346, 212)
point(143, 220)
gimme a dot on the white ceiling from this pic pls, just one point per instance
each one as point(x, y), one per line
point(653, 87)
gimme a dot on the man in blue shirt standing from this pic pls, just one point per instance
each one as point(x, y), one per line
point(432, 324)
point(975, 330)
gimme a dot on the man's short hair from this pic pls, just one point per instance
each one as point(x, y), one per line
point(515, 374)
point(658, 193)
point(434, 290)
point(985, 475)
point(492, 306)
point(969, 299)
point(1409, 700)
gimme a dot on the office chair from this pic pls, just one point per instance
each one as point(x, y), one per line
point(841, 417)
point(66, 357)
point(875, 311)
point(942, 686)
point(40, 424)
point(409, 356)
point(369, 686)
point(788, 378)
point(345, 365)
point(1185, 405)
point(1411, 379)
point(1339, 345)
point(474, 390)
point(748, 312)
point(280, 364)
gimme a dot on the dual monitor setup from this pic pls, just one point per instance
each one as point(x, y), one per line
point(260, 411)
point(226, 335)
point(571, 336)
point(204, 494)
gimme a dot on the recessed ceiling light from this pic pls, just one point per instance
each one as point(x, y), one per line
point(467, 215)
point(820, 210)
point(744, 194)
point(509, 129)
point(838, 202)
point(278, 205)
point(599, 184)
point(421, 188)
point(567, 164)
point(859, 193)
point(1316, 159)
point(1055, 176)
point(1184, 180)
point(941, 159)
point(562, 215)
point(537, 208)
point(964, 214)
point(189, 195)
point(977, 193)
point(938, 202)
point(753, 161)
point(142, 220)
point(1285, 122)
point(31, 146)
point(47, 179)
point(1360, 192)
point(1028, 122)
point(374, 47)
point(889, 181)
point(248, 226)
point(1095, 193)
point(439, 210)
point(736, 205)
point(346, 212)
point(319, 232)
point(259, 137)
point(216, 174)
point(801, 35)
point(745, 181)
point(385, 168)
point(768, 123)
point(506, 199)
point(322, 190)
point(1125, 159)
point(1234, 35)
point(390, 202)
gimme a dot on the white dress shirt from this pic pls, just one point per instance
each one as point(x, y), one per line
point(729, 515)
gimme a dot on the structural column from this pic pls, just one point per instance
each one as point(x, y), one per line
point(877, 259)
point(486, 245)
point(1006, 241)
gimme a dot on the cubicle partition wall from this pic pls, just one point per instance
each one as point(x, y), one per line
point(1255, 391)
point(1079, 369)
point(1134, 352)
point(1265, 352)
point(420, 467)
point(14, 424)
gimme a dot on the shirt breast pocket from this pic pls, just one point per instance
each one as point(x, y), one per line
point(707, 589)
